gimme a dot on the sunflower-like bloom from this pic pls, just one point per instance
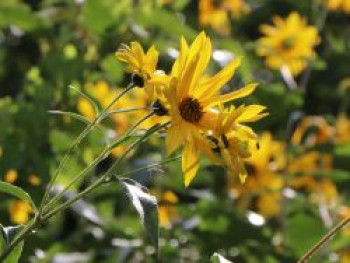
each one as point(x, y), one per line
point(234, 140)
point(142, 65)
point(289, 43)
point(190, 99)
point(217, 13)
point(342, 5)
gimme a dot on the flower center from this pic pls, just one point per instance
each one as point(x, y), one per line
point(217, 3)
point(191, 110)
point(138, 80)
point(287, 43)
point(159, 109)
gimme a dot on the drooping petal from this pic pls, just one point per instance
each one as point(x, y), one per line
point(190, 162)
point(173, 139)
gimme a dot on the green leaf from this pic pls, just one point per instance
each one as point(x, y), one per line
point(113, 68)
point(9, 233)
point(71, 114)
point(19, 15)
point(146, 206)
point(17, 192)
point(3, 240)
point(217, 258)
point(166, 21)
point(97, 15)
point(303, 230)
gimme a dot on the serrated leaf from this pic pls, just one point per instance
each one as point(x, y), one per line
point(17, 192)
point(146, 206)
point(217, 258)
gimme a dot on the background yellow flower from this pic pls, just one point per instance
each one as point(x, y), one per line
point(289, 42)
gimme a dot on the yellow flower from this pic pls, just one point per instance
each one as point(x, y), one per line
point(20, 212)
point(34, 180)
point(100, 92)
point(166, 209)
point(11, 176)
point(343, 5)
point(139, 99)
point(234, 140)
point(269, 204)
point(190, 98)
point(342, 129)
point(289, 43)
point(345, 257)
point(217, 13)
point(322, 133)
point(86, 109)
point(142, 65)
point(269, 157)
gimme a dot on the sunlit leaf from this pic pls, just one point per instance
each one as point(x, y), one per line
point(17, 192)
point(146, 206)
point(9, 233)
point(217, 258)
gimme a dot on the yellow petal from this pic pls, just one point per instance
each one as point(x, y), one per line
point(151, 60)
point(190, 162)
point(214, 84)
point(247, 90)
point(173, 139)
point(184, 83)
point(204, 58)
point(180, 62)
point(251, 113)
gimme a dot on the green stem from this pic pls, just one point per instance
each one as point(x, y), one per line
point(324, 240)
point(105, 176)
point(76, 143)
point(31, 226)
point(81, 175)
point(21, 235)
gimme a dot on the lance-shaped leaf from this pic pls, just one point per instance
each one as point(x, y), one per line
point(17, 192)
point(7, 235)
point(3, 240)
point(146, 206)
point(217, 258)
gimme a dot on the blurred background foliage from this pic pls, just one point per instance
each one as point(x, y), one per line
point(299, 181)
